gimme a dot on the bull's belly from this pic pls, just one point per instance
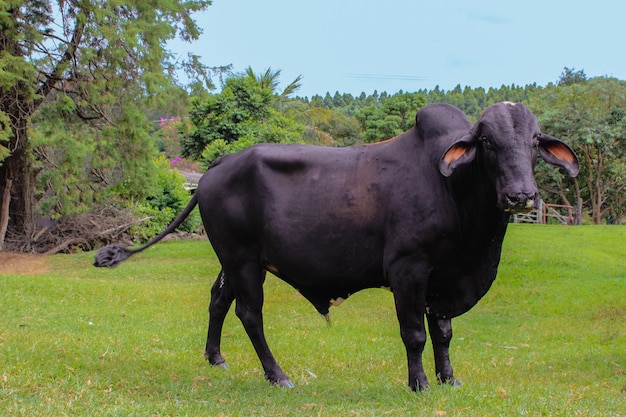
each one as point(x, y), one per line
point(328, 269)
point(327, 282)
point(328, 274)
point(324, 250)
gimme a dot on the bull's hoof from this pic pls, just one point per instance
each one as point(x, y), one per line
point(222, 365)
point(284, 383)
point(419, 384)
point(277, 378)
point(216, 360)
point(419, 387)
point(453, 382)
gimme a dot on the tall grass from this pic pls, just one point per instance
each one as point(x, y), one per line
point(548, 339)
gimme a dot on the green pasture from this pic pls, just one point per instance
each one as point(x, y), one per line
point(549, 339)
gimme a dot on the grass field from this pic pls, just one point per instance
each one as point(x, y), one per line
point(549, 339)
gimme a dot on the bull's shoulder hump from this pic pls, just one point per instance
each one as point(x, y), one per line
point(437, 120)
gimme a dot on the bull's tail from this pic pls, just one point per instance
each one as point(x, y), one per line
point(112, 255)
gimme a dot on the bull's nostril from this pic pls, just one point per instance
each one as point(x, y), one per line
point(521, 199)
point(513, 199)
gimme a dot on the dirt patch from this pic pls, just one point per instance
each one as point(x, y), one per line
point(22, 264)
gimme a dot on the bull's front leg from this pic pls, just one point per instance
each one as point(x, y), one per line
point(413, 335)
point(441, 334)
point(222, 296)
point(408, 284)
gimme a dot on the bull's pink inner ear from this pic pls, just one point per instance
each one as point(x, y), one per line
point(455, 153)
point(562, 153)
point(559, 154)
point(458, 154)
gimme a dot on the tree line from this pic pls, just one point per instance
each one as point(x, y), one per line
point(93, 113)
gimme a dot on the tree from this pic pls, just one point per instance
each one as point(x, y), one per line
point(100, 59)
point(241, 115)
point(591, 116)
point(270, 80)
point(570, 76)
point(395, 115)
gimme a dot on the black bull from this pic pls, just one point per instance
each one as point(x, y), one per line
point(423, 214)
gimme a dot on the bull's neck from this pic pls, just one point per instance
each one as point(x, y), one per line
point(476, 203)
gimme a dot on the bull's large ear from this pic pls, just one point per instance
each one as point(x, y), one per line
point(462, 151)
point(558, 153)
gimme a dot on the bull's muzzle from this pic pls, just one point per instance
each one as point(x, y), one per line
point(521, 202)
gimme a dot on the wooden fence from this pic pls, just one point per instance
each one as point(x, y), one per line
point(547, 213)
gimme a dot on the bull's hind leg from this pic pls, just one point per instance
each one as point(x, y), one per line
point(222, 296)
point(441, 334)
point(249, 304)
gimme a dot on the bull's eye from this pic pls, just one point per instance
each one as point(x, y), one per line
point(485, 141)
point(536, 140)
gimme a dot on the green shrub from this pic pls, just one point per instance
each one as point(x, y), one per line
point(167, 201)
point(152, 221)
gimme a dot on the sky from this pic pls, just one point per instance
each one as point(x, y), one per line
point(354, 46)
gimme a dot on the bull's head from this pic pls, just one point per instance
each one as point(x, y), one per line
point(506, 141)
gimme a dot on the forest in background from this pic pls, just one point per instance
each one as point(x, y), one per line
point(96, 124)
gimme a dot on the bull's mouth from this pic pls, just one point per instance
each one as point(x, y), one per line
point(515, 206)
point(518, 210)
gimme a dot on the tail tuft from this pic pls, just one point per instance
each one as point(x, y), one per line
point(111, 255)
